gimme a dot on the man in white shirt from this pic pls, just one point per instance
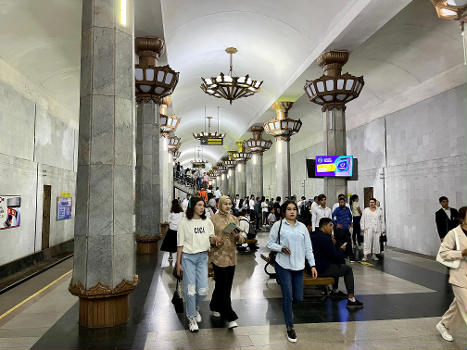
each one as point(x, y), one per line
point(337, 204)
point(251, 202)
point(185, 202)
point(320, 212)
point(217, 193)
point(315, 204)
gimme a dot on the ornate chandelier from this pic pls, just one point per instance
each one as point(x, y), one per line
point(241, 155)
point(207, 133)
point(174, 142)
point(198, 162)
point(221, 167)
point(333, 89)
point(450, 9)
point(228, 86)
point(282, 126)
point(228, 161)
point(168, 123)
point(152, 82)
point(256, 144)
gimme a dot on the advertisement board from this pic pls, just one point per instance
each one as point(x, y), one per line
point(64, 206)
point(334, 166)
point(10, 215)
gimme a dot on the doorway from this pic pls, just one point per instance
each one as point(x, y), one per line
point(46, 203)
point(367, 194)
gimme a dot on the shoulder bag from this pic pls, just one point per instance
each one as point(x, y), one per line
point(273, 254)
point(453, 264)
point(177, 299)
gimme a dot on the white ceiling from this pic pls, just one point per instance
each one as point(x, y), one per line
point(278, 41)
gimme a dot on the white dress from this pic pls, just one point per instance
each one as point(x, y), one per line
point(372, 225)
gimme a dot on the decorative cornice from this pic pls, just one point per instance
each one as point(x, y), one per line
point(102, 291)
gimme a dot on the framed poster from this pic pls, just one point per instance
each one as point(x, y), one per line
point(64, 206)
point(10, 215)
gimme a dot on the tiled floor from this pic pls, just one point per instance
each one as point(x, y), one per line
point(404, 296)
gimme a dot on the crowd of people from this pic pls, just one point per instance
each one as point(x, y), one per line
point(306, 235)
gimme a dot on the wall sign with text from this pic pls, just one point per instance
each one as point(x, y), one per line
point(10, 215)
point(64, 206)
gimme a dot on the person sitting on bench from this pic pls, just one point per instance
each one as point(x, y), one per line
point(330, 262)
point(249, 231)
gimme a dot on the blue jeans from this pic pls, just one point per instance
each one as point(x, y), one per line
point(291, 283)
point(195, 280)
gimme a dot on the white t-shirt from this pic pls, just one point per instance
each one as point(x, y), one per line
point(174, 220)
point(317, 214)
point(252, 204)
point(194, 235)
point(217, 194)
point(244, 224)
point(185, 204)
point(272, 218)
point(264, 207)
point(237, 203)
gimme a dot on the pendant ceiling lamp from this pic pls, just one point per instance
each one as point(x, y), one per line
point(208, 133)
point(229, 86)
point(198, 161)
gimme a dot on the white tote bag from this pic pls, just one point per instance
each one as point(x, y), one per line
point(452, 264)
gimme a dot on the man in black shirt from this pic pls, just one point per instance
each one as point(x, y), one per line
point(446, 218)
point(330, 262)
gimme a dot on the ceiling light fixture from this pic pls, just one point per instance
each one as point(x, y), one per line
point(282, 127)
point(167, 123)
point(450, 9)
point(256, 144)
point(198, 161)
point(228, 86)
point(207, 133)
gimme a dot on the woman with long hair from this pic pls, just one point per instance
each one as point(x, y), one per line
point(457, 277)
point(194, 237)
point(356, 215)
point(293, 247)
point(169, 244)
point(224, 259)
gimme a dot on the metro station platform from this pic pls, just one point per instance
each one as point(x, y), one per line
point(404, 296)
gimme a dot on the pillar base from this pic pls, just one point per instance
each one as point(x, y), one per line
point(100, 306)
point(146, 245)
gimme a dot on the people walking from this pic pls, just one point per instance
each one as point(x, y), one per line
point(224, 258)
point(372, 225)
point(291, 240)
point(194, 237)
point(445, 217)
point(169, 244)
point(450, 251)
point(342, 220)
point(319, 212)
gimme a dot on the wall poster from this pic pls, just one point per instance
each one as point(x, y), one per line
point(10, 215)
point(64, 206)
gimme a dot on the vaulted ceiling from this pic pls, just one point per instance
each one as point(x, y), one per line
point(397, 45)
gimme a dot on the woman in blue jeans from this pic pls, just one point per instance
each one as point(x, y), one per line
point(293, 247)
point(194, 237)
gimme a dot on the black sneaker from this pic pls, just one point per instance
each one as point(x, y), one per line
point(353, 305)
point(338, 295)
point(291, 336)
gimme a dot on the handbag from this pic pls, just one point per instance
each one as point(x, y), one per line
point(177, 299)
point(453, 264)
point(273, 254)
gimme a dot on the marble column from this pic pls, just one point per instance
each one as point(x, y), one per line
point(240, 178)
point(248, 177)
point(148, 193)
point(170, 178)
point(335, 144)
point(231, 180)
point(256, 164)
point(164, 174)
point(224, 184)
point(104, 238)
point(282, 147)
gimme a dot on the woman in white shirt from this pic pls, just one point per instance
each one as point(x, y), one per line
point(356, 217)
point(372, 225)
point(169, 244)
point(194, 237)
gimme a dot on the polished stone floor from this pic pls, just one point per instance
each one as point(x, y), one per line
point(404, 296)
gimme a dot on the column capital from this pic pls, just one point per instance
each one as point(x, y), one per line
point(102, 291)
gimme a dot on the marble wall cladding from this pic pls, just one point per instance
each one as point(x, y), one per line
point(19, 177)
point(256, 164)
point(249, 174)
point(124, 249)
point(61, 181)
point(240, 180)
point(164, 179)
point(282, 170)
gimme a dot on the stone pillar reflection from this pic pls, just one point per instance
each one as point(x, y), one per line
point(256, 164)
point(170, 178)
point(147, 187)
point(248, 177)
point(104, 238)
point(283, 186)
point(164, 176)
point(335, 144)
point(240, 178)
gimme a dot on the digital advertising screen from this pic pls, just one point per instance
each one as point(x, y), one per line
point(334, 166)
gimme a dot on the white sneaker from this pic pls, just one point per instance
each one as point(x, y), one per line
point(192, 324)
point(365, 259)
point(215, 314)
point(198, 317)
point(232, 324)
point(375, 258)
point(444, 332)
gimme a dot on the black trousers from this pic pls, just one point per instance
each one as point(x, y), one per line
point(340, 270)
point(343, 235)
point(221, 300)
